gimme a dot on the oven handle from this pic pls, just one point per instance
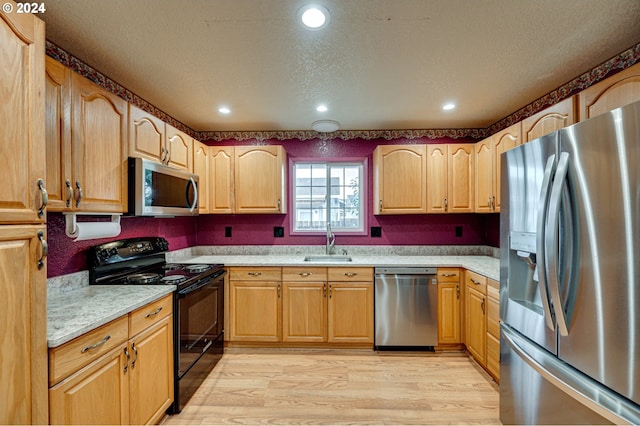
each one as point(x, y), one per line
point(199, 285)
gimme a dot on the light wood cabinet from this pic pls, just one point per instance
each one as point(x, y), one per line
point(450, 178)
point(146, 136)
point(22, 118)
point(400, 173)
point(613, 92)
point(449, 303)
point(350, 306)
point(255, 308)
point(475, 316)
point(304, 304)
point(260, 179)
point(488, 164)
point(120, 373)
point(179, 148)
point(221, 179)
point(200, 163)
point(549, 120)
point(493, 329)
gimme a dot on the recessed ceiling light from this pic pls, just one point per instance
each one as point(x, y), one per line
point(322, 108)
point(325, 126)
point(224, 110)
point(313, 16)
point(448, 106)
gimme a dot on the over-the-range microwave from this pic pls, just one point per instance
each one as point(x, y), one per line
point(159, 190)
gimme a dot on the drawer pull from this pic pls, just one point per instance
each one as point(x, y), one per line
point(448, 275)
point(350, 274)
point(305, 274)
point(475, 282)
point(96, 345)
point(154, 313)
point(254, 274)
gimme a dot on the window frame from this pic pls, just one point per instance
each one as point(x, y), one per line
point(364, 197)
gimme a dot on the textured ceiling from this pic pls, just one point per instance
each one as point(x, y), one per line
point(380, 64)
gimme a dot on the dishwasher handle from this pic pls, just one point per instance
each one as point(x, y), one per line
point(396, 270)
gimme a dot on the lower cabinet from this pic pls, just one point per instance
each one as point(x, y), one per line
point(449, 302)
point(120, 373)
point(475, 315)
point(301, 305)
point(493, 328)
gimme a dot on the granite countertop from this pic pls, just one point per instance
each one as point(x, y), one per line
point(484, 265)
point(76, 312)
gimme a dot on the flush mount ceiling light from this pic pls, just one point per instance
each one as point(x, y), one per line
point(322, 108)
point(313, 16)
point(224, 110)
point(325, 126)
point(448, 106)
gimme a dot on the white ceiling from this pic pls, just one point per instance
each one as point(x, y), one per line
point(380, 64)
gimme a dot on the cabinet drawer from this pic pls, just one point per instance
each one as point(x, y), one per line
point(242, 273)
point(493, 356)
point(150, 314)
point(304, 273)
point(477, 281)
point(350, 274)
point(82, 350)
point(493, 284)
point(448, 275)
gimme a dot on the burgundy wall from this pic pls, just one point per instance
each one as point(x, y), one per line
point(67, 256)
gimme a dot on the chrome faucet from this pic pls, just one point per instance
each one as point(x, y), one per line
point(331, 239)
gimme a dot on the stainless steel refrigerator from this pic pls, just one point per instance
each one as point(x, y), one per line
point(570, 275)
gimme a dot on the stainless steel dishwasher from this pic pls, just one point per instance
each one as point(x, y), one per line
point(406, 308)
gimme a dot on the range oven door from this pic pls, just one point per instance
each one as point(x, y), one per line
point(200, 337)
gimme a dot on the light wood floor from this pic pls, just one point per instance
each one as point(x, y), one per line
point(342, 387)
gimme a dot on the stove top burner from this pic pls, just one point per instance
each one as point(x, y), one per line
point(173, 279)
point(196, 269)
point(170, 267)
point(143, 278)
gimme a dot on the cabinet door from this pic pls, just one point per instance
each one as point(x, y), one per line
point(400, 179)
point(97, 394)
point(201, 168)
point(99, 147)
point(180, 147)
point(351, 312)
point(449, 313)
point(502, 141)
point(260, 179)
point(255, 312)
point(151, 373)
point(221, 179)
point(484, 176)
point(493, 357)
point(23, 327)
point(437, 159)
point(476, 325)
point(146, 135)
point(549, 120)
point(304, 312)
point(616, 91)
point(22, 119)
point(460, 168)
point(58, 135)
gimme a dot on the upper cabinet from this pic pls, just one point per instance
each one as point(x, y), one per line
point(616, 91)
point(487, 153)
point(179, 147)
point(146, 135)
point(22, 197)
point(450, 178)
point(221, 179)
point(547, 121)
point(400, 173)
point(201, 168)
point(260, 179)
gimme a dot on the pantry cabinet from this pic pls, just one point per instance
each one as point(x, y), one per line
point(450, 178)
point(200, 163)
point(449, 303)
point(179, 149)
point(400, 179)
point(547, 121)
point(120, 373)
point(475, 315)
point(488, 163)
point(613, 92)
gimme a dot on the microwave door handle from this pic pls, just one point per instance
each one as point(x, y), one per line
point(195, 195)
point(540, 247)
point(551, 241)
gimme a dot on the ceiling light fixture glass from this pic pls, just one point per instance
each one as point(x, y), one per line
point(325, 126)
point(313, 16)
point(322, 108)
point(448, 106)
point(224, 110)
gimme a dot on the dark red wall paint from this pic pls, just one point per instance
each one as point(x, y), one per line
point(67, 256)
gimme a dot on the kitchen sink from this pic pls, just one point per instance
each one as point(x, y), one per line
point(327, 258)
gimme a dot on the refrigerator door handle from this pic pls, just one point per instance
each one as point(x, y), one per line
point(583, 389)
point(540, 247)
point(551, 242)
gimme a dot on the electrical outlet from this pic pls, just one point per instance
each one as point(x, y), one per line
point(278, 231)
point(458, 231)
point(227, 231)
point(376, 232)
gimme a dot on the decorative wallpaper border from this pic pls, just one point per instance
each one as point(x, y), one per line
point(619, 62)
